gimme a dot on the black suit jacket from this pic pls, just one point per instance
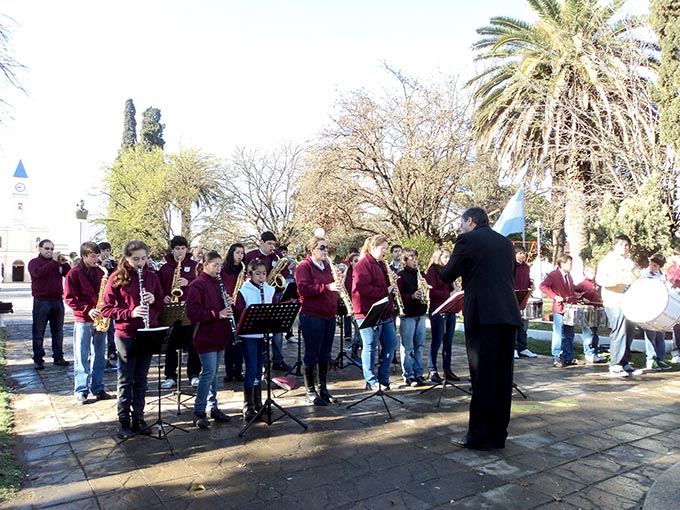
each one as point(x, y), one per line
point(485, 260)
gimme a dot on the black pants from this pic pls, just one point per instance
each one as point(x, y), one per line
point(133, 372)
point(181, 338)
point(490, 351)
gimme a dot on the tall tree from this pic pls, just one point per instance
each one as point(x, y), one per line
point(8, 64)
point(129, 126)
point(566, 96)
point(152, 129)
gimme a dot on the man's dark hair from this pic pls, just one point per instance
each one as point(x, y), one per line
point(623, 237)
point(478, 215)
point(395, 247)
point(178, 241)
point(42, 243)
point(520, 249)
point(104, 245)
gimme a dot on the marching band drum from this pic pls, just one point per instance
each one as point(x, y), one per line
point(533, 310)
point(650, 304)
point(584, 315)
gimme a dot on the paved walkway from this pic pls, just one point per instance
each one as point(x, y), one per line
point(581, 440)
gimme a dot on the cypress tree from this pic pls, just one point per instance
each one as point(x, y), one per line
point(129, 126)
point(152, 129)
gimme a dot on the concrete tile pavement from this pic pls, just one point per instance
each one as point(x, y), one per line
point(581, 440)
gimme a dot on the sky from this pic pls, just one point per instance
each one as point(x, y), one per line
point(224, 74)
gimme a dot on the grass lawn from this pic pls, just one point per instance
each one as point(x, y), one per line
point(10, 473)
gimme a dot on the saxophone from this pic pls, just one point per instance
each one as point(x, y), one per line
point(342, 291)
point(392, 277)
point(275, 278)
point(175, 291)
point(240, 279)
point(424, 289)
point(101, 323)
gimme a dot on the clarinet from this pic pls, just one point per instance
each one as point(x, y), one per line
point(142, 291)
point(262, 293)
point(223, 293)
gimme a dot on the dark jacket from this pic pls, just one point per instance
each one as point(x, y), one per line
point(369, 284)
point(312, 286)
point(440, 290)
point(46, 278)
point(408, 285)
point(203, 305)
point(81, 290)
point(485, 260)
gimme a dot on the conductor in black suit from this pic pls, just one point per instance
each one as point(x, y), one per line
point(485, 261)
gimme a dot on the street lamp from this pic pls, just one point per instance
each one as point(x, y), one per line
point(81, 216)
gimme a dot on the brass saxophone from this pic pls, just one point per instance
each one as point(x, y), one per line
point(424, 289)
point(175, 290)
point(342, 291)
point(240, 280)
point(101, 323)
point(275, 278)
point(392, 277)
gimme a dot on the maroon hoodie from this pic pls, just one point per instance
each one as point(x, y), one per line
point(204, 302)
point(81, 290)
point(46, 275)
point(312, 285)
point(369, 284)
point(440, 291)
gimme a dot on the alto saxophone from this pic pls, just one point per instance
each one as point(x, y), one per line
point(175, 290)
point(240, 280)
point(342, 291)
point(392, 277)
point(100, 322)
point(424, 289)
point(275, 278)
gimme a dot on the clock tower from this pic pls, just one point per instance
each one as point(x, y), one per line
point(19, 192)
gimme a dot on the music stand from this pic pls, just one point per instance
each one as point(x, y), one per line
point(340, 314)
point(174, 316)
point(454, 304)
point(149, 342)
point(372, 320)
point(265, 319)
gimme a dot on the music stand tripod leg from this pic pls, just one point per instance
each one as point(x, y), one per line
point(518, 389)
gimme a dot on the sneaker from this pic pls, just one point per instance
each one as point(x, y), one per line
point(140, 427)
point(663, 365)
point(675, 359)
point(408, 381)
point(124, 431)
point(372, 386)
point(527, 354)
point(102, 395)
point(435, 378)
point(201, 421)
point(387, 386)
point(451, 377)
point(558, 363)
point(572, 363)
point(168, 383)
point(419, 381)
point(81, 398)
point(61, 363)
point(593, 358)
point(618, 370)
point(219, 416)
point(194, 382)
point(516, 354)
point(39, 366)
point(292, 340)
point(281, 366)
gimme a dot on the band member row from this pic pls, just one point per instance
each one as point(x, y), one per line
point(318, 293)
point(131, 302)
point(370, 284)
point(267, 254)
point(254, 291)
point(81, 293)
point(443, 325)
point(209, 307)
point(175, 276)
point(233, 274)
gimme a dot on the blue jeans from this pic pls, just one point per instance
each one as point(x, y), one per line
point(443, 327)
point(206, 393)
point(44, 312)
point(318, 335)
point(655, 345)
point(277, 347)
point(591, 341)
point(254, 357)
point(133, 373)
point(521, 340)
point(621, 336)
point(356, 337)
point(89, 358)
point(562, 345)
point(387, 335)
point(412, 333)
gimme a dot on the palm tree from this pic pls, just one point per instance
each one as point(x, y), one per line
point(566, 97)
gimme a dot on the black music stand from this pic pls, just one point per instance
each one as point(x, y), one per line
point(265, 319)
point(372, 320)
point(290, 294)
point(454, 304)
point(149, 342)
point(174, 316)
point(340, 315)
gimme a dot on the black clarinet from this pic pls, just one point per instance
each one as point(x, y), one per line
point(225, 301)
point(262, 293)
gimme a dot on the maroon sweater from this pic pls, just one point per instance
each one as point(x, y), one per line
point(269, 260)
point(81, 290)
point(369, 284)
point(120, 301)
point(167, 272)
point(522, 276)
point(203, 305)
point(591, 291)
point(440, 291)
point(46, 275)
point(316, 298)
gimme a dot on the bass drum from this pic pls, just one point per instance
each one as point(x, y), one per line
point(648, 303)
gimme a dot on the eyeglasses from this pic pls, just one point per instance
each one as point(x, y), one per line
point(322, 247)
point(48, 249)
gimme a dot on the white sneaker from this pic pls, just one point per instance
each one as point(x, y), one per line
point(675, 359)
point(194, 382)
point(593, 358)
point(528, 354)
point(618, 370)
point(516, 354)
point(168, 383)
point(292, 340)
point(632, 370)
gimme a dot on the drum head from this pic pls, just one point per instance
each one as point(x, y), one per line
point(645, 300)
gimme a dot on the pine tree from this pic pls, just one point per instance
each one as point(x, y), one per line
point(129, 126)
point(152, 129)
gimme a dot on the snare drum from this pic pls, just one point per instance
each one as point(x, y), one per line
point(576, 315)
point(597, 318)
point(648, 303)
point(533, 310)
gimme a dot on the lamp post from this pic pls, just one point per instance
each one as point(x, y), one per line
point(81, 216)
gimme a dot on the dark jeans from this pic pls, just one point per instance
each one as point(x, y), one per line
point(111, 340)
point(44, 312)
point(133, 374)
point(254, 354)
point(181, 337)
point(521, 342)
point(318, 335)
point(233, 360)
point(443, 327)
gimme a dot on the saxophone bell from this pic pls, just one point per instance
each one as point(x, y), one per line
point(175, 291)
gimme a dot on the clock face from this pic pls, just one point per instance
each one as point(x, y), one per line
point(20, 187)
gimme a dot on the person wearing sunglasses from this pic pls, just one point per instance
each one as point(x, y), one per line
point(47, 272)
point(318, 293)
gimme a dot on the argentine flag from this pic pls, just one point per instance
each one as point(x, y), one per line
point(512, 218)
